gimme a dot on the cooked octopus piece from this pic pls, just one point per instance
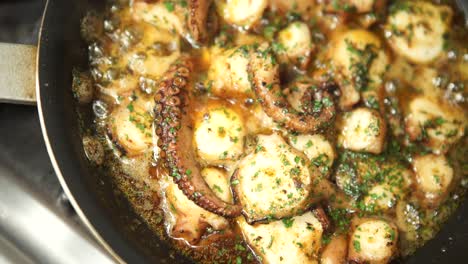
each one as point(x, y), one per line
point(372, 241)
point(363, 129)
point(175, 130)
point(185, 219)
point(188, 18)
point(197, 19)
point(306, 95)
point(274, 181)
point(291, 240)
point(264, 72)
point(416, 29)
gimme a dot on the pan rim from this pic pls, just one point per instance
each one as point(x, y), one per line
point(50, 151)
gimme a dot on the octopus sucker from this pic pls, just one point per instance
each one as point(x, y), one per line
point(264, 73)
point(175, 130)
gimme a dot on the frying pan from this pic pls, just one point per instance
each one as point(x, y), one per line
point(107, 214)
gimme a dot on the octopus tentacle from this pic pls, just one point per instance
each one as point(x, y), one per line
point(196, 21)
point(264, 73)
point(174, 128)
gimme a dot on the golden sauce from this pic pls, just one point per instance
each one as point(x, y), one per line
point(128, 56)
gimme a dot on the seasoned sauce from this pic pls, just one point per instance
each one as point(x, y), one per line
point(339, 127)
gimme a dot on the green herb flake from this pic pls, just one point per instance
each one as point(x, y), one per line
point(357, 245)
point(288, 222)
point(130, 107)
point(169, 6)
point(217, 188)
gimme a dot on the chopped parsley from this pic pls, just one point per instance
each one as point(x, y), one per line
point(357, 245)
point(288, 222)
point(217, 188)
point(169, 6)
point(130, 107)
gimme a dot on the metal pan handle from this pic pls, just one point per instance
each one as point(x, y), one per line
point(17, 73)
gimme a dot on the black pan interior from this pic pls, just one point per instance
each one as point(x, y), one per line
point(61, 49)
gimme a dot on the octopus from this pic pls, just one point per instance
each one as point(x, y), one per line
point(286, 131)
point(175, 133)
point(188, 18)
point(266, 83)
point(198, 12)
point(175, 127)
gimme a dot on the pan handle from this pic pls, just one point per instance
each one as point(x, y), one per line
point(17, 73)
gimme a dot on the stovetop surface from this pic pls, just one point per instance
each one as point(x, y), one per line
point(20, 20)
point(32, 201)
point(23, 150)
point(22, 145)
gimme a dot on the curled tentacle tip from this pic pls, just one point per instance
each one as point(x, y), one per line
point(176, 140)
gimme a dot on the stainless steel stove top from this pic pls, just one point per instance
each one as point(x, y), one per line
point(37, 224)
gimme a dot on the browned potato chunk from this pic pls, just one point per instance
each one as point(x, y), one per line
point(218, 181)
point(360, 61)
point(274, 181)
point(336, 251)
point(373, 241)
point(219, 134)
point(408, 220)
point(364, 130)
point(434, 176)
point(241, 13)
point(416, 29)
point(227, 74)
point(258, 121)
point(380, 197)
point(296, 44)
point(130, 126)
point(435, 122)
point(317, 149)
point(293, 240)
